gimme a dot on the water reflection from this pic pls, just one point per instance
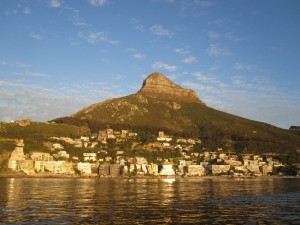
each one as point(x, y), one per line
point(169, 180)
point(136, 201)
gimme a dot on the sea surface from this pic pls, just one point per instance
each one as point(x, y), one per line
point(149, 201)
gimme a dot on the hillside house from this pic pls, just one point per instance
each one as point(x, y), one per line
point(90, 157)
point(117, 133)
point(140, 160)
point(124, 133)
point(132, 168)
point(111, 136)
point(132, 134)
point(114, 170)
point(161, 134)
point(63, 154)
point(223, 156)
point(56, 146)
point(85, 139)
point(78, 143)
point(233, 162)
point(41, 156)
point(109, 131)
point(26, 166)
point(163, 137)
point(196, 170)
point(218, 169)
point(103, 170)
point(166, 145)
point(152, 169)
point(120, 152)
point(108, 158)
point(241, 169)
point(267, 169)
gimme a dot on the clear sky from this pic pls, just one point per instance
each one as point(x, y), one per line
point(240, 56)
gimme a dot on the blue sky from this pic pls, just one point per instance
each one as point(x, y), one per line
point(240, 56)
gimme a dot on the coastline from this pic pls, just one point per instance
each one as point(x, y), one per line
point(96, 176)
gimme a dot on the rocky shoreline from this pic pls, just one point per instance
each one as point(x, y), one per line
point(96, 176)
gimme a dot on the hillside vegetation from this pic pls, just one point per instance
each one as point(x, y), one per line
point(183, 119)
point(35, 134)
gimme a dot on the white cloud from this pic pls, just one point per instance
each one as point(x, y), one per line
point(119, 77)
point(195, 8)
point(77, 20)
point(137, 24)
point(20, 99)
point(201, 88)
point(139, 56)
point(215, 50)
point(160, 31)
point(191, 59)
point(27, 11)
point(194, 5)
point(233, 37)
point(136, 54)
point(36, 36)
point(213, 35)
point(205, 3)
point(55, 3)
point(181, 51)
point(31, 74)
point(220, 22)
point(173, 76)
point(13, 64)
point(204, 78)
point(161, 65)
point(94, 37)
point(250, 97)
point(243, 67)
point(97, 3)
point(239, 82)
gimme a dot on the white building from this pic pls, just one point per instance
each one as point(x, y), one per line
point(56, 167)
point(167, 170)
point(84, 167)
point(196, 170)
point(85, 139)
point(41, 156)
point(16, 156)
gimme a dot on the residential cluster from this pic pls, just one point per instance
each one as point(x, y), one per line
point(100, 163)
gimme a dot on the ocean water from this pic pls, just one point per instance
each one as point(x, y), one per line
point(149, 201)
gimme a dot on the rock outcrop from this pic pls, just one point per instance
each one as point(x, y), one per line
point(156, 85)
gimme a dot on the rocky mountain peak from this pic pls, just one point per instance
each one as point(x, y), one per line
point(157, 85)
point(158, 80)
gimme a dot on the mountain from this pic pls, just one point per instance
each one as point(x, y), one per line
point(160, 103)
point(163, 105)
